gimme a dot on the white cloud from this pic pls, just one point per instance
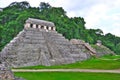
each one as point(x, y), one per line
point(94, 14)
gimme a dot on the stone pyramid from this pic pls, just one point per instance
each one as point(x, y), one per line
point(40, 44)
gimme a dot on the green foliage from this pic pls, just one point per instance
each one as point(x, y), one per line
point(67, 76)
point(118, 48)
point(109, 62)
point(1, 29)
point(19, 5)
point(13, 17)
point(44, 5)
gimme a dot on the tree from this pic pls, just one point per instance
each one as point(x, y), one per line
point(44, 5)
point(118, 48)
point(99, 32)
point(20, 5)
point(1, 28)
point(24, 4)
point(110, 37)
point(79, 21)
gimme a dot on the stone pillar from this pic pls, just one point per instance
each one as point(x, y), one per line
point(49, 28)
point(54, 28)
point(39, 26)
point(27, 25)
point(45, 27)
point(34, 25)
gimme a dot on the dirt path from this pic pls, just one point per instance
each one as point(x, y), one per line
point(65, 70)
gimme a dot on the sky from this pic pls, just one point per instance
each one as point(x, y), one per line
point(102, 14)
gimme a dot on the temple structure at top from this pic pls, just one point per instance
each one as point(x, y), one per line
point(40, 24)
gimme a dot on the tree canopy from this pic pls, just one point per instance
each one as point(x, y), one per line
point(13, 17)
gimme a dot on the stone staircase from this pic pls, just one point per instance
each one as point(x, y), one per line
point(93, 52)
point(40, 47)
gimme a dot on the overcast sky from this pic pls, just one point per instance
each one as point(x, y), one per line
point(102, 14)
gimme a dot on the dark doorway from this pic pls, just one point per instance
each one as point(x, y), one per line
point(36, 26)
point(42, 27)
point(31, 25)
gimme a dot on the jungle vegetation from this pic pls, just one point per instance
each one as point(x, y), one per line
point(13, 17)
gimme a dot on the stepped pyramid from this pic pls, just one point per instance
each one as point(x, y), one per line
point(40, 44)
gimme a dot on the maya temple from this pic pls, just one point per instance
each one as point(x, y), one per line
point(40, 44)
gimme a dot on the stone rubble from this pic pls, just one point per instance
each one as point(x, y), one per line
point(5, 72)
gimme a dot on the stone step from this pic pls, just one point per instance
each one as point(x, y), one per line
point(33, 49)
point(64, 42)
point(63, 46)
point(31, 34)
point(59, 40)
point(34, 37)
point(77, 49)
point(54, 34)
point(33, 41)
point(31, 45)
point(54, 37)
point(90, 48)
point(57, 61)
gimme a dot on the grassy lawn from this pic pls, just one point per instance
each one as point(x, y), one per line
point(67, 76)
point(111, 57)
point(105, 62)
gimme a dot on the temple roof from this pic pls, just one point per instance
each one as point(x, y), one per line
point(40, 22)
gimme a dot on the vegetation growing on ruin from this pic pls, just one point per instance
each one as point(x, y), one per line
point(13, 17)
point(105, 62)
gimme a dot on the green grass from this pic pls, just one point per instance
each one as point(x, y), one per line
point(94, 63)
point(67, 76)
point(111, 57)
